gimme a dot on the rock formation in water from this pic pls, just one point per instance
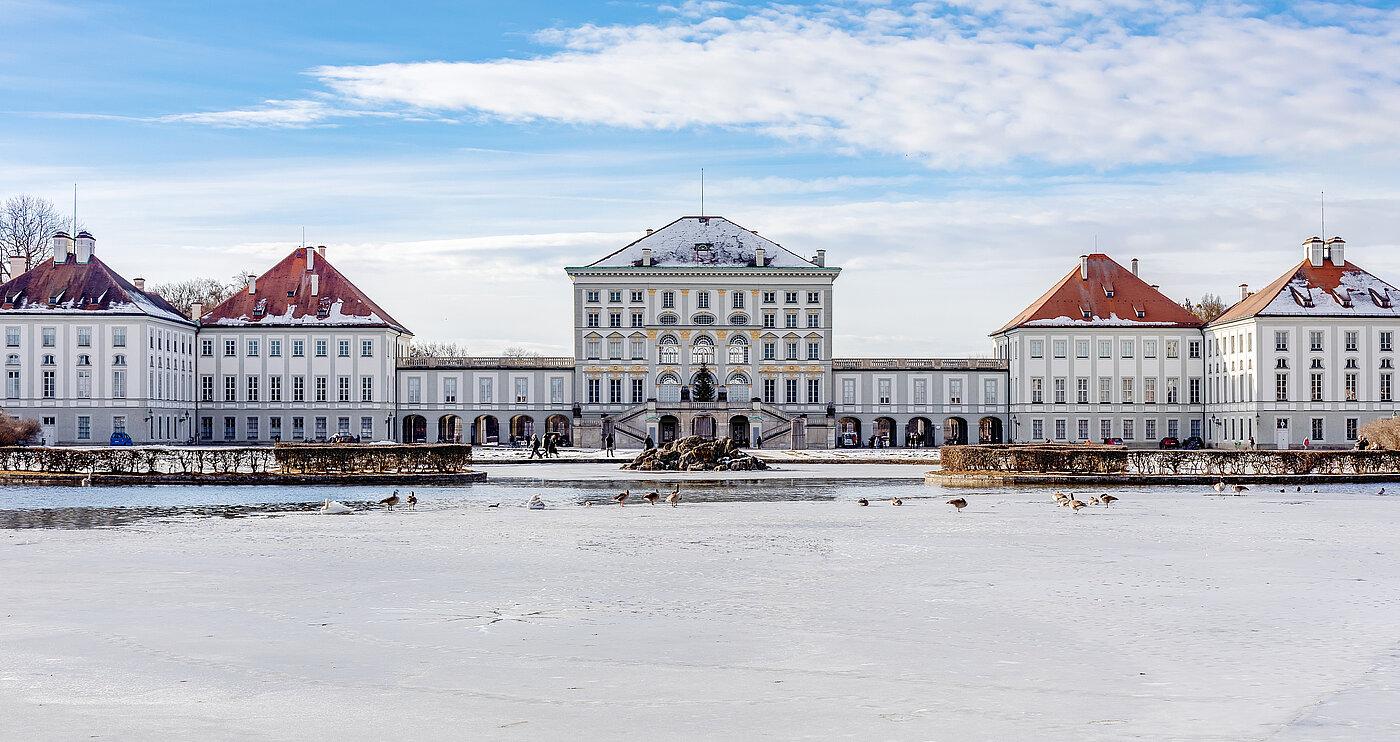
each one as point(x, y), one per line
point(696, 454)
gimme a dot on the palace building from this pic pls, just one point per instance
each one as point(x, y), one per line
point(302, 353)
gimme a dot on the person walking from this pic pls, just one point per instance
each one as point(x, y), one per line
point(609, 444)
point(535, 447)
point(758, 440)
point(552, 446)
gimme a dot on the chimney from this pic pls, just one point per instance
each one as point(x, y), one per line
point(646, 256)
point(139, 283)
point(196, 310)
point(321, 250)
point(1134, 266)
point(1244, 291)
point(1083, 267)
point(758, 259)
point(315, 285)
point(62, 247)
point(83, 248)
point(310, 258)
point(252, 284)
point(648, 231)
point(1336, 251)
point(820, 259)
point(1313, 251)
point(17, 265)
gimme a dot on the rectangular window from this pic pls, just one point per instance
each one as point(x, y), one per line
point(814, 297)
point(1059, 348)
point(955, 391)
point(591, 295)
point(206, 428)
point(1149, 390)
point(884, 387)
point(1105, 390)
point(639, 349)
point(770, 297)
point(1351, 428)
point(366, 348)
point(320, 428)
point(1385, 388)
point(1317, 429)
point(638, 319)
point(1061, 429)
point(342, 384)
point(298, 348)
point(790, 319)
point(449, 390)
point(1350, 390)
point(848, 391)
point(1385, 340)
point(556, 391)
point(770, 351)
point(252, 348)
point(119, 384)
point(12, 384)
point(594, 387)
point(1127, 349)
point(790, 297)
point(84, 428)
point(84, 337)
point(252, 388)
point(1037, 430)
point(638, 391)
point(1082, 429)
point(770, 391)
point(522, 390)
point(48, 336)
point(298, 428)
point(230, 428)
point(668, 300)
point(1172, 348)
point(770, 320)
point(84, 384)
point(366, 388)
point(814, 350)
point(814, 319)
point(1351, 339)
point(1173, 393)
point(1315, 341)
point(1060, 391)
point(274, 388)
point(1127, 390)
point(274, 349)
point(1037, 390)
point(1105, 349)
point(230, 348)
point(614, 318)
point(920, 390)
point(1149, 349)
point(1037, 349)
point(484, 392)
point(1280, 387)
point(614, 391)
point(1194, 389)
point(252, 428)
point(792, 350)
point(636, 296)
point(321, 348)
point(1194, 349)
point(343, 348)
point(1081, 349)
point(1081, 391)
point(1149, 430)
point(1105, 429)
point(321, 388)
point(790, 388)
point(366, 428)
point(989, 391)
point(1280, 340)
point(1173, 428)
point(1128, 432)
point(615, 349)
point(12, 337)
point(230, 389)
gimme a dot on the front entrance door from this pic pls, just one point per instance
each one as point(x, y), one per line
point(48, 431)
point(799, 434)
point(1281, 434)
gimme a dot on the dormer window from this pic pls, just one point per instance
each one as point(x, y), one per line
point(1381, 300)
point(1085, 312)
point(1108, 291)
point(291, 294)
point(1140, 312)
point(260, 308)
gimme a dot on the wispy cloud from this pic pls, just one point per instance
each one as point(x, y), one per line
point(1085, 83)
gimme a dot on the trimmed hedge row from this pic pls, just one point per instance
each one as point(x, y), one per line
point(314, 458)
point(286, 458)
point(1095, 459)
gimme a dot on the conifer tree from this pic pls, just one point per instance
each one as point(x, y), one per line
point(703, 390)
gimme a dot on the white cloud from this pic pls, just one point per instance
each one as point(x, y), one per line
point(1076, 83)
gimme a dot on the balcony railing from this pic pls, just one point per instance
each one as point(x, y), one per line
point(932, 364)
point(487, 362)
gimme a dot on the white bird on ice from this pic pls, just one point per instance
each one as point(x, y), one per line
point(333, 507)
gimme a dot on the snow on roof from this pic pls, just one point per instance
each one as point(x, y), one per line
point(282, 296)
point(703, 241)
point(1319, 291)
point(81, 287)
point(1111, 296)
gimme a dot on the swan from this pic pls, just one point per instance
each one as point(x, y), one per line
point(536, 503)
point(1219, 486)
point(332, 507)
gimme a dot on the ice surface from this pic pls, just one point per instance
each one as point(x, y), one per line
point(1173, 616)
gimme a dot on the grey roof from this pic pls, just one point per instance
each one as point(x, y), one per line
point(725, 244)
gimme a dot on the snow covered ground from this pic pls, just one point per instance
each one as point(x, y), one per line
point(1172, 616)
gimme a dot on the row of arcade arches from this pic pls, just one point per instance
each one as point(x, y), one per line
point(917, 432)
point(485, 429)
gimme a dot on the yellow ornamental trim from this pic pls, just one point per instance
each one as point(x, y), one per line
point(651, 292)
point(685, 334)
point(651, 334)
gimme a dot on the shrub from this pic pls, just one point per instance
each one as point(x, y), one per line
point(13, 430)
point(1383, 432)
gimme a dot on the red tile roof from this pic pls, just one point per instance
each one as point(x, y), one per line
point(1133, 301)
point(81, 287)
point(1320, 291)
point(283, 297)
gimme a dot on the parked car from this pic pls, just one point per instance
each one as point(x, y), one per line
point(848, 440)
point(1193, 443)
point(1113, 442)
point(119, 439)
point(344, 438)
point(1170, 441)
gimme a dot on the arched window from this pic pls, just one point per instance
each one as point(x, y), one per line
point(669, 378)
point(738, 318)
point(739, 379)
point(704, 340)
point(738, 352)
point(702, 353)
point(668, 388)
point(670, 354)
point(119, 360)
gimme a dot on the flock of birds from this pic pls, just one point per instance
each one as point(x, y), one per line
point(673, 499)
point(335, 507)
point(956, 502)
point(1076, 504)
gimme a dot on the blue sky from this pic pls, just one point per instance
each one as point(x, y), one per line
point(955, 158)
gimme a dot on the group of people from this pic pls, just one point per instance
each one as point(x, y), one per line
point(546, 447)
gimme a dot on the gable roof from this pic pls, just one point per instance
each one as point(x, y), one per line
point(71, 286)
point(726, 245)
point(1075, 301)
point(283, 296)
point(1325, 290)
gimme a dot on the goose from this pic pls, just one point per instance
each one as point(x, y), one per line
point(621, 497)
point(1075, 505)
point(896, 501)
point(1240, 488)
point(494, 505)
point(651, 497)
point(1219, 486)
point(1382, 492)
point(958, 503)
point(391, 500)
point(332, 507)
point(862, 502)
point(412, 500)
point(536, 503)
point(1093, 501)
point(1067, 501)
point(1108, 500)
point(674, 498)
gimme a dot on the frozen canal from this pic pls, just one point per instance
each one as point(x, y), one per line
point(764, 607)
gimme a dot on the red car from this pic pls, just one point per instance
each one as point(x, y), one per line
point(1113, 442)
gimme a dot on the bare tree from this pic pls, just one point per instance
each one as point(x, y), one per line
point(13, 430)
point(516, 351)
point(1209, 307)
point(183, 294)
point(436, 350)
point(27, 225)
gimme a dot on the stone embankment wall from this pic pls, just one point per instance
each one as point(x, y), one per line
point(1115, 460)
